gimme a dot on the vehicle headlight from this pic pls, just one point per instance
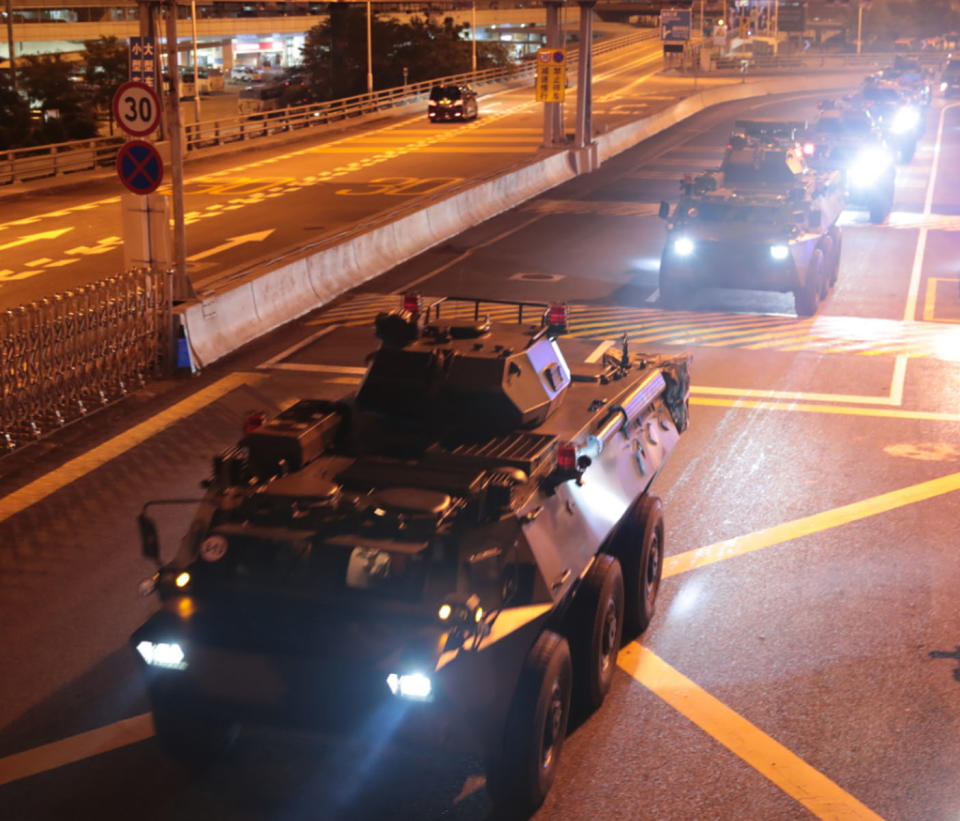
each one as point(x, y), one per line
point(944, 86)
point(779, 252)
point(413, 686)
point(867, 167)
point(906, 119)
point(168, 655)
point(683, 246)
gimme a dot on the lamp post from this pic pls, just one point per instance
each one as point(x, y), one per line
point(10, 44)
point(859, 26)
point(369, 52)
point(196, 73)
point(473, 33)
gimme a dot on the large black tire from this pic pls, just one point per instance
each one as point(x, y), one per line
point(671, 295)
point(520, 774)
point(194, 738)
point(596, 631)
point(641, 557)
point(837, 248)
point(807, 298)
point(879, 211)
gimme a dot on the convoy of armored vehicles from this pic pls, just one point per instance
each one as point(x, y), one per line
point(453, 553)
point(764, 221)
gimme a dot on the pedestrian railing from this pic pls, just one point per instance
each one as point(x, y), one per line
point(67, 355)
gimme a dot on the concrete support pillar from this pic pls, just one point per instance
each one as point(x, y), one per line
point(553, 135)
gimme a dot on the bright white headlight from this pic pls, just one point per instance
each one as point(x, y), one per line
point(906, 119)
point(162, 654)
point(779, 252)
point(683, 246)
point(414, 686)
point(867, 167)
point(943, 86)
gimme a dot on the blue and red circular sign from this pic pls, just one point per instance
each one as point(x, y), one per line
point(140, 166)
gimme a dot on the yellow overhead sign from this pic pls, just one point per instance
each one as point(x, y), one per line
point(551, 75)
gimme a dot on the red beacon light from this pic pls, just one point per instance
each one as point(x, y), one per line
point(809, 149)
point(411, 304)
point(557, 317)
point(254, 420)
point(567, 457)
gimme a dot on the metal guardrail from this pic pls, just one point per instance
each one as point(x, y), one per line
point(823, 62)
point(24, 164)
point(70, 354)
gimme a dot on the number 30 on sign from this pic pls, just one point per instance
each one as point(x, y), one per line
point(136, 108)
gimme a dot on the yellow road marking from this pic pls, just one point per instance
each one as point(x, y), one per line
point(807, 525)
point(841, 410)
point(930, 299)
point(821, 796)
point(76, 748)
point(91, 460)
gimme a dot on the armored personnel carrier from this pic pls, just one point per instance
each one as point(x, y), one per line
point(845, 139)
point(763, 221)
point(451, 554)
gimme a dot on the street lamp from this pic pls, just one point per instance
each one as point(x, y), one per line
point(369, 53)
point(859, 26)
point(13, 65)
point(473, 34)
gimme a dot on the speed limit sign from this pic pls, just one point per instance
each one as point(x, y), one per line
point(136, 108)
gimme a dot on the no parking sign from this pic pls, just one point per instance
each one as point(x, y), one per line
point(140, 166)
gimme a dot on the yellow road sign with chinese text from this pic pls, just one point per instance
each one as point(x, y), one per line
point(551, 75)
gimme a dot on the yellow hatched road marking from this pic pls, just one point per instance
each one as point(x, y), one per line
point(75, 469)
point(821, 796)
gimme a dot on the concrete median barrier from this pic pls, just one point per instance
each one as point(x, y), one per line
point(247, 308)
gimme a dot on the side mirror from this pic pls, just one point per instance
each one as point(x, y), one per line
point(149, 540)
point(664, 211)
point(815, 218)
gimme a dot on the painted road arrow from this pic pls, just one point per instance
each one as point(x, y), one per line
point(233, 242)
point(34, 237)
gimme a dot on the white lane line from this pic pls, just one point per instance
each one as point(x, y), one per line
point(294, 348)
point(465, 254)
point(913, 291)
point(599, 351)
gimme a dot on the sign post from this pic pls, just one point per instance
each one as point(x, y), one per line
point(675, 29)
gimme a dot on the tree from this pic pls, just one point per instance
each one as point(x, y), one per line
point(106, 69)
point(46, 81)
point(14, 115)
point(335, 52)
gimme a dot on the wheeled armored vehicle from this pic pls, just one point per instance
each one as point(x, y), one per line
point(900, 118)
point(452, 553)
point(845, 139)
point(762, 222)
